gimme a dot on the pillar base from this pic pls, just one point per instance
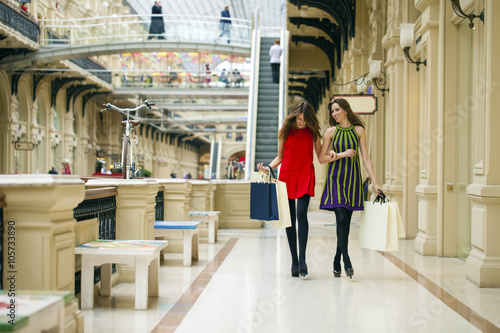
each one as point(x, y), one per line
point(426, 240)
point(483, 263)
point(425, 245)
point(483, 272)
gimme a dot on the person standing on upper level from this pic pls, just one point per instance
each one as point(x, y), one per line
point(225, 24)
point(275, 54)
point(157, 27)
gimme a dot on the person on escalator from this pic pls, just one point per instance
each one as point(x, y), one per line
point(275, 54)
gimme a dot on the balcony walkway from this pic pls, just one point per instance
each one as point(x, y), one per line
point(82, 38)
point(243, 284)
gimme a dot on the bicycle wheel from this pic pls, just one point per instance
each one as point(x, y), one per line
point(125, 158)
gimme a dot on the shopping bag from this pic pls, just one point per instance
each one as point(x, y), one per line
point(263, 200)
point(381, 225)
point(285, 220)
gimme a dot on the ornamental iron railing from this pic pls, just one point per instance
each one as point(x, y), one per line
point(91, 66)
point(100, 204)
point(13, 18)
point(160, 205)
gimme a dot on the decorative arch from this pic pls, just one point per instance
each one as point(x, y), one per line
point(43, 101)
point(25, 106)
point(4, 96)
point(5, 140)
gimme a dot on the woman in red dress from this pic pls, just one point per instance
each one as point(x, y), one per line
point(298, 137)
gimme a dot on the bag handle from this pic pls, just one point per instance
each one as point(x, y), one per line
point(381, 198)
point(272, 172)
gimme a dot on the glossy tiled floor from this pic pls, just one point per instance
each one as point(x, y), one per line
point(243, 284)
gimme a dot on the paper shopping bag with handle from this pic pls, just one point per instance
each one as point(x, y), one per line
point(381, 225)
point(263, 201)
point(284, 220)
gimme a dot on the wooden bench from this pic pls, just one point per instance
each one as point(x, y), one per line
point(190, 236)
point(210, 217)
point(143, 254)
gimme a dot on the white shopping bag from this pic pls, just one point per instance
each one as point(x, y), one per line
point(285, 220)
point(381, 226)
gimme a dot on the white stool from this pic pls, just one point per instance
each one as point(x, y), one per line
point(210, 217)
point(190, 234)
point(143, 254)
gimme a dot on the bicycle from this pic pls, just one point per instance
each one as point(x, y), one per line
point(129, 165)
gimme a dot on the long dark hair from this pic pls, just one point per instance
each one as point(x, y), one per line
point(309, 117)
point(344, 105)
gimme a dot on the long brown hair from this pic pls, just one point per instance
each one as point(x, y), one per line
point(344, 105)
point(309, 117)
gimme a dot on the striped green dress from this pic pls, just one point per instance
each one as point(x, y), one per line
point(343, 185)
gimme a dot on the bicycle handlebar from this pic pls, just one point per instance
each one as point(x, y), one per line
point(112, 107)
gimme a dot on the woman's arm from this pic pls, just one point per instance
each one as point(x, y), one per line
point(277, 160)
point(317, 146)
point(324, 155)
point(366, 157)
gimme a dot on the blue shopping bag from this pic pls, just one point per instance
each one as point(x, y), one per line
point(263, 201)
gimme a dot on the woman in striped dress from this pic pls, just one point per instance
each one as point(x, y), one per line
point(343, 192)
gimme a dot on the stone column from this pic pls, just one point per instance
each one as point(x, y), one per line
point(483, 263)
point(401, 176)
point(427, 35)
point(211, 195)
point(39, 217)
point(200, 199)
point(177, 199)
point(135, 206)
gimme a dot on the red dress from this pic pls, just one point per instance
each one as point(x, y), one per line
point(297, 169)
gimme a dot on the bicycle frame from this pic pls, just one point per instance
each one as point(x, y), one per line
point(128, 163)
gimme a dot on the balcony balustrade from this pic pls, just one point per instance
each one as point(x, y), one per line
point(19, 21)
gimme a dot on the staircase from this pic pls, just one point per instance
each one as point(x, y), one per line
point(266, 138)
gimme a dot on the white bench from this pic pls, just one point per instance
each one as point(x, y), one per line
point(143, 254)
point(33, 310)
point(210, 217)
point(190, 236)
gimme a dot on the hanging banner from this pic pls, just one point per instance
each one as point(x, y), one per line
point(361, 104)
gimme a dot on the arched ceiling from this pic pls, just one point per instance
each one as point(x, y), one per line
point(325, 24)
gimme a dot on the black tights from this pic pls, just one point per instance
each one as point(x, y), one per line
point(343, 217)
point(303, 230)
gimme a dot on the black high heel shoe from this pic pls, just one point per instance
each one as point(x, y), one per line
point(302, 269)
point(336, 273)
point(349, 272)
point(295, 270)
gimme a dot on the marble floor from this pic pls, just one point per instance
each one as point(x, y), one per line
point(243, 284)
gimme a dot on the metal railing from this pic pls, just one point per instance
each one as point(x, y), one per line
point(91, 66)
point(15, 19)
point(180, 79)
point(135, 28)
point(101, 204)
point(160, 204)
